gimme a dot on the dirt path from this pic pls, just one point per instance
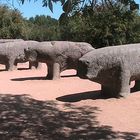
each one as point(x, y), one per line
point(77, 112)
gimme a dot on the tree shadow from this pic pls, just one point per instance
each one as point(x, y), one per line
point(22, 117)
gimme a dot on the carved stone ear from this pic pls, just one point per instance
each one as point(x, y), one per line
point(87, 62)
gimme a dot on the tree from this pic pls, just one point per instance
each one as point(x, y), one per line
point(40, 28)
point(102, 26)
point(99, 22)
point(44, 28)
point(78, 5)
point(109, 22)
point(12, 24)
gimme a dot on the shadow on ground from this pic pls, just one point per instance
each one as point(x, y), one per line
point(23, 68)
point(84, 96)
point(1, 70)
point(66, 76)
point(81, 96)
point(22, 117)
point(29, 78)
point(39, 78)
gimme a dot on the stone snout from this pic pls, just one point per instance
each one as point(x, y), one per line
point(31, 55)
point(83, 70)
point(89, 69)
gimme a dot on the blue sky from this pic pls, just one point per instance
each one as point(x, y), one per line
point(34, 7)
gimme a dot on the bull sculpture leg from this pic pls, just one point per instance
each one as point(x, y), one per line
point(124, 83)
point(10, 65)
point(53, 71)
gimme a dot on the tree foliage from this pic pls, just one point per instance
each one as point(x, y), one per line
point(12, 24)
point(99, 22)
point(44, 28)
point(40, 28)
point(106, 24)
point(102, 24)
point(78, 5)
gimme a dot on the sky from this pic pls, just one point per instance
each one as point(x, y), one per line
point(34, 7)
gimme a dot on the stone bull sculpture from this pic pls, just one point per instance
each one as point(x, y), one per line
point(112, 67)
point(12, 53)
point(58, 55)
point(10, 40)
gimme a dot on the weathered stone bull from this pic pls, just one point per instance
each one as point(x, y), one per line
point(58, 55)
point(10, 40)
point(12, 53)
point(113, 67)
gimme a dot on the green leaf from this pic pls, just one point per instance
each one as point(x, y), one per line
point(45, 3)
point(50, 5)
point(67, 7)
point(22, 1)
point(62, 2)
